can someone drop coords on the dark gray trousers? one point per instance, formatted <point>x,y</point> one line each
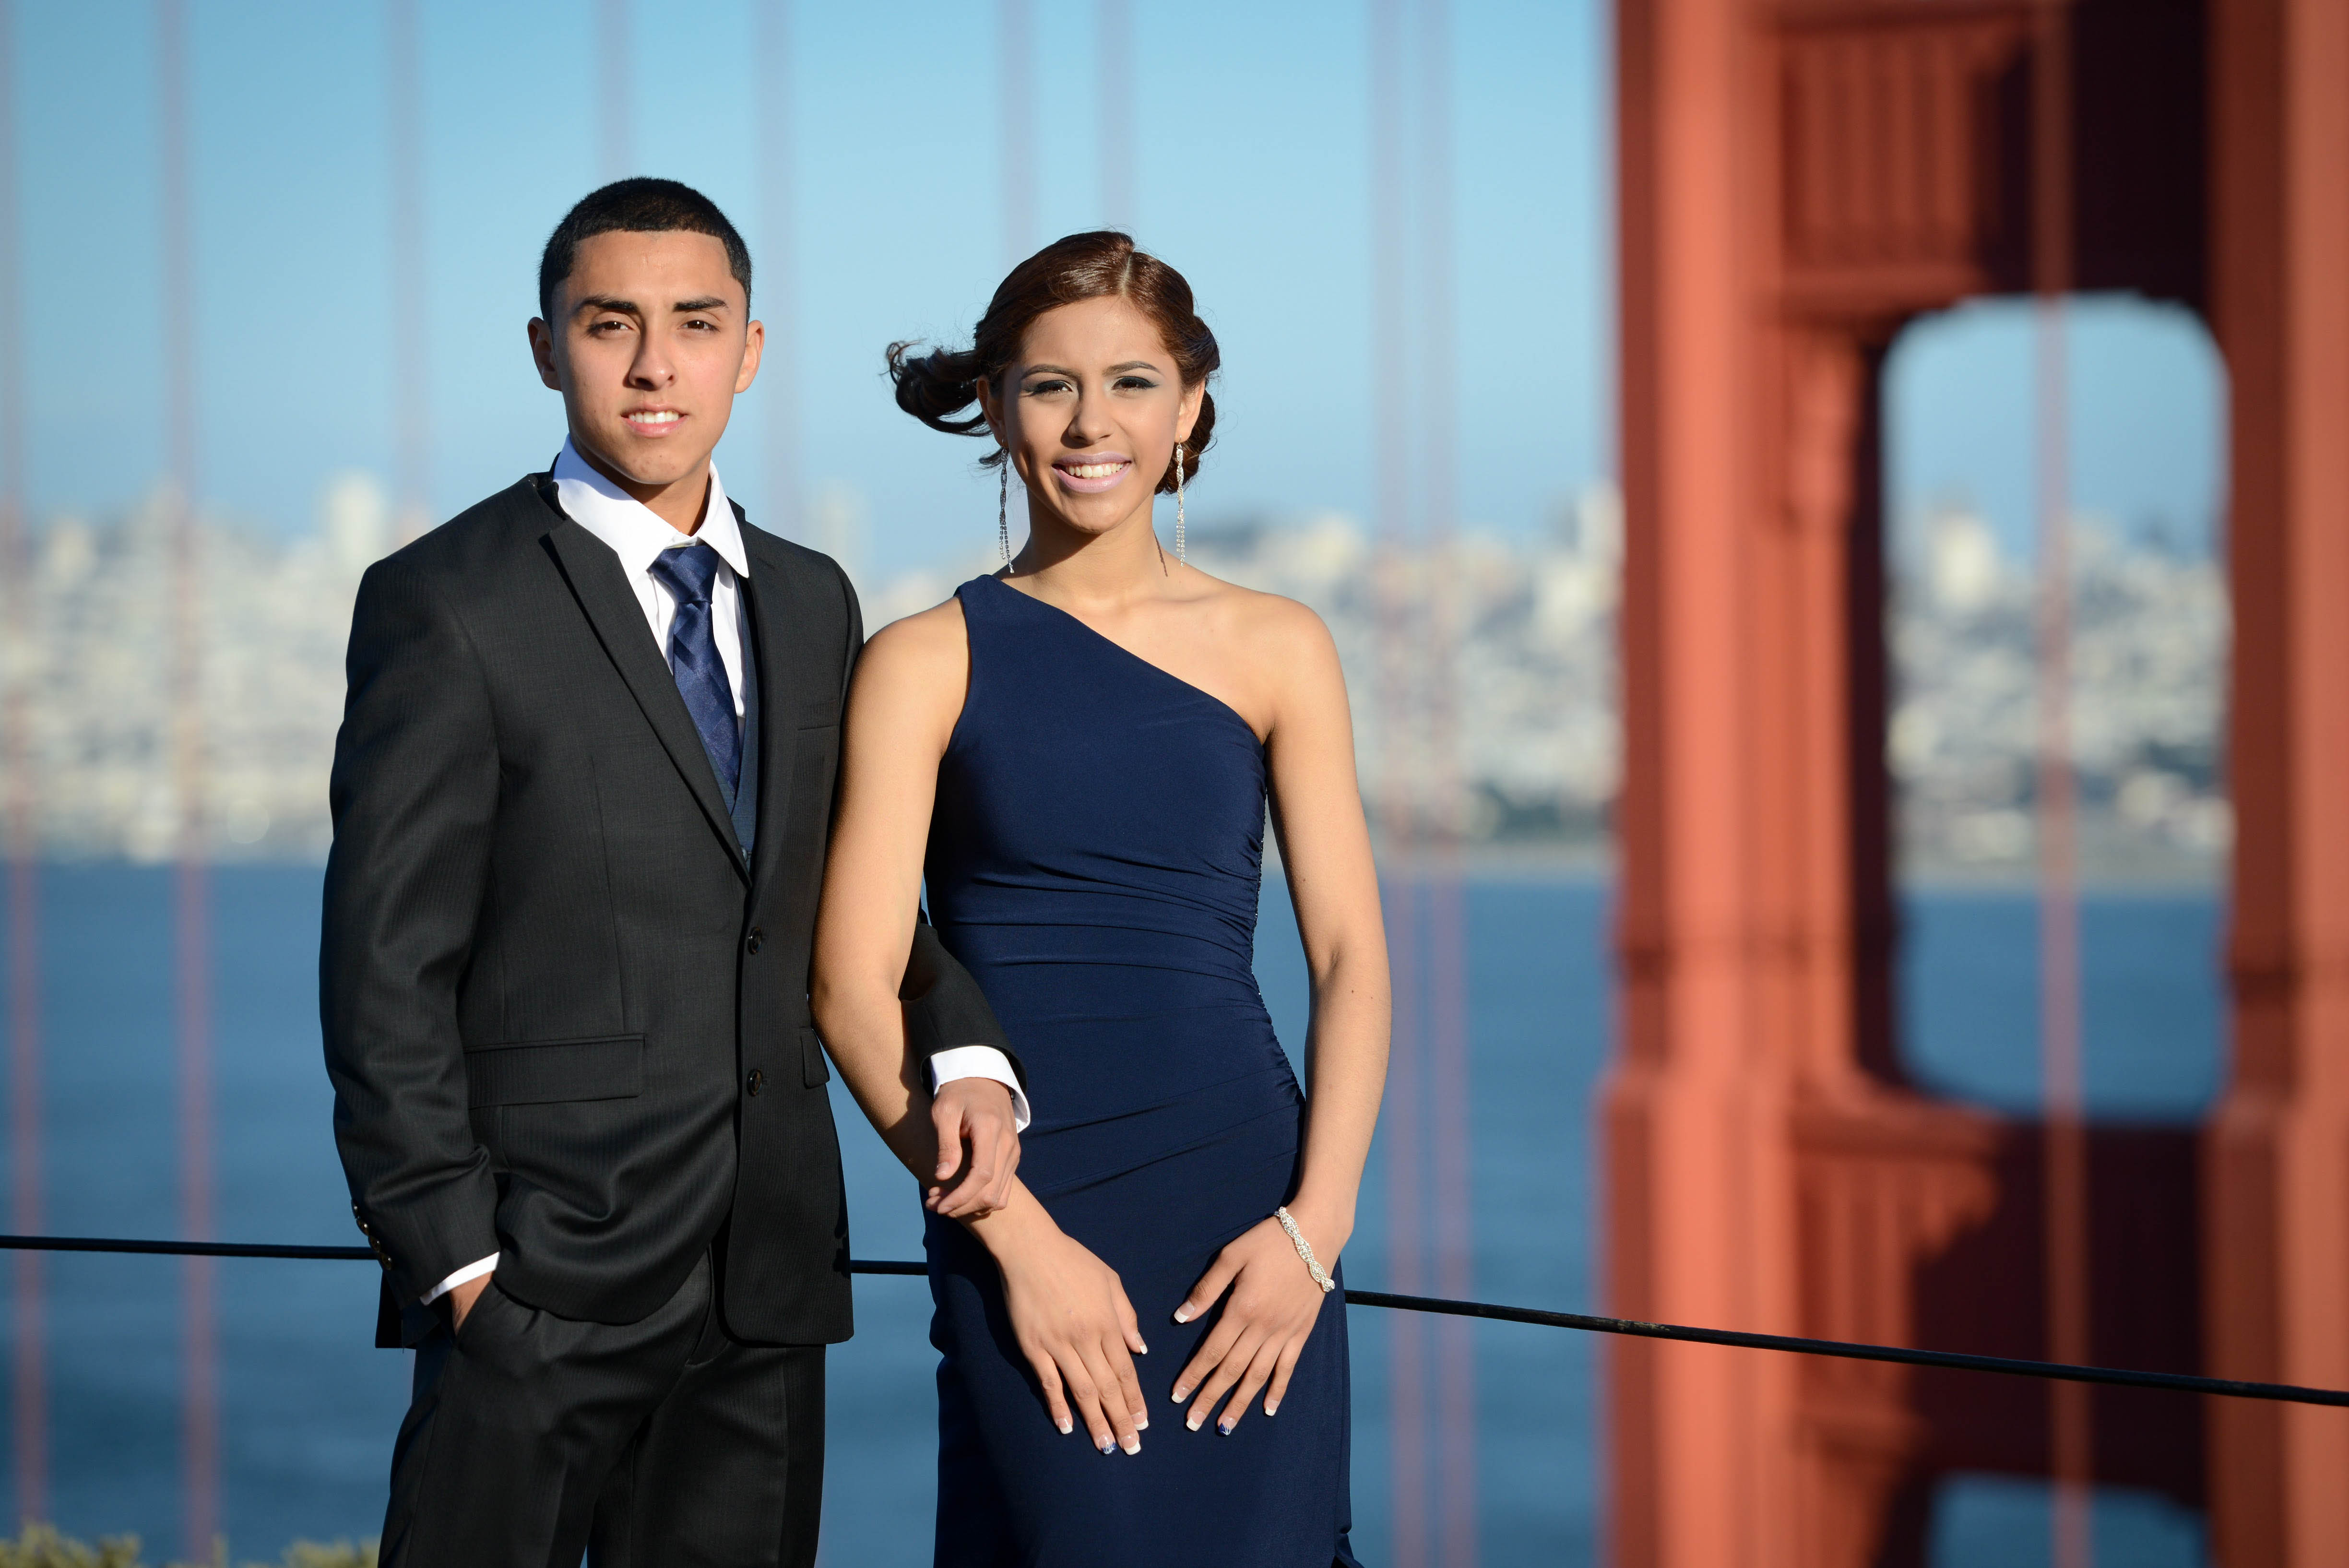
<point>531,1439</point>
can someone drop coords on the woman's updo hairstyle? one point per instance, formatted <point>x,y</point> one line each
<point>937,387</point>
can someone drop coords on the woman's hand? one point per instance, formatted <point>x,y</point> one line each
<point>1070,1313</point>
<point>1273,1307</point>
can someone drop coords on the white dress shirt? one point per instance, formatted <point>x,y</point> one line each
<point>637,535</point>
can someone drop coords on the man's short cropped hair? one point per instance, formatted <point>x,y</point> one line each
<point>637,206</point>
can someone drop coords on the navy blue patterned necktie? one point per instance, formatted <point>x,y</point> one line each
<point>688,573</point>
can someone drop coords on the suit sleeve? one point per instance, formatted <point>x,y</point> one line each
<point>414,795</point>
<point>944,1006</point>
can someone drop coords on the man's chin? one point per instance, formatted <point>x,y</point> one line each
<point>626,461</point>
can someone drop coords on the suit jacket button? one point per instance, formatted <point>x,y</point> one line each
<point>758,1080</point>
<point>757,938</point>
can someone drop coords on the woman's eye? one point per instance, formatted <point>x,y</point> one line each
<point>1135,384</point>
<point>1038,389</point>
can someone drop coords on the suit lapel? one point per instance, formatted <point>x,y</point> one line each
<point>777,615</point>
<point>602,590</point>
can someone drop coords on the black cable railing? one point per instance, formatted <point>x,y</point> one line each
<point>1959,1361</point>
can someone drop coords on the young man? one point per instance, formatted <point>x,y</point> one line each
<point>581,799</point>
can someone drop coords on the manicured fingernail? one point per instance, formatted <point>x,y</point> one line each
<point>1225,1427</point>
<point>1141,1421</point>
<point>1271,1408</point>
<point>1144,1350</point>
<point>1182,1315</point>
<point>1107,1446</point>
<point>1194,1422</point>
<point>1132,1445</point>
<point>1181,1393</point>
<point>1066,1428</point>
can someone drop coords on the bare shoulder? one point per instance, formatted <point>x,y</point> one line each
<point>911,678</point>
<point>1275,635</point>
<point>928,643</point>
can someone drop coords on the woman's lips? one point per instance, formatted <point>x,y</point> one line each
<point>652,421</point>
<point>1091,476</point>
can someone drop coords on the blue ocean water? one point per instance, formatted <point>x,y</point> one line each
<point>309,1407</point>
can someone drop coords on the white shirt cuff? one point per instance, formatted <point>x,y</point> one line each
<point>981,1061</point>
<point>473,1271</point>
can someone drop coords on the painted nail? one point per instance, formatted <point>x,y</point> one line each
<point>1132,1445</point>
<point>1181,1393</point>
<point>1066,1428</point>
<point>1271,1408</point>
<point>1196,1417</point>
<point>1146,1350</point>
<point>1141,1422</point>
<point>1182,1315</point>
<point>1107,1446</point>
<point>1225,1428</point>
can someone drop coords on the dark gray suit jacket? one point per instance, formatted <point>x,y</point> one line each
<point>566,1019</point>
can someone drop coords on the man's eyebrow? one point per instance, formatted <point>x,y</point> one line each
<point>707,302</point>
<point>606,302</point>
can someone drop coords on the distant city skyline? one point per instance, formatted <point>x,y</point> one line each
<point>1534,680</point>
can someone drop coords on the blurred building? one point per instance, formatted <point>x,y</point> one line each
<point>274,615</point>
<point>2150,636</point>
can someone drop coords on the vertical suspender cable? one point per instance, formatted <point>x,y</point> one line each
<point>1015,77</point>
<point>191,925</point>
<point>1452,1234</point>
<point>19,652</point>
<point>403,76</point>
<point>1403,1132</point>
<point>2070,1409</point>
<point>613,80</point>
<point>779,267</point>
<point>1113,40</point>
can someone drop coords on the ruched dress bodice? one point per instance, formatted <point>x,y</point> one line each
<point>1095,860</point>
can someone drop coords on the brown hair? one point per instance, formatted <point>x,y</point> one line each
<point>937,386</point>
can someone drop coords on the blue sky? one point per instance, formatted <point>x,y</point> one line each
<point>1253,133</point>
<point>1253,130</point>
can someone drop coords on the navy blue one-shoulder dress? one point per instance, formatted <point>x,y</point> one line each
<point>1094,862</point>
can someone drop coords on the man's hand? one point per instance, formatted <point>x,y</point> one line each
<point>977,1137</point>
<point>461,1299</point>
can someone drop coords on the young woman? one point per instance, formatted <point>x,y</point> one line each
<point>1077,754</point>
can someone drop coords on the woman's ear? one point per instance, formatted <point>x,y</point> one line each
<point>1187,414</point>
<point>991,411</point>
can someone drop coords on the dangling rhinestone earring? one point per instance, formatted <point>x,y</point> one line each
<point>1178,503</point>
<point>1003,508</point>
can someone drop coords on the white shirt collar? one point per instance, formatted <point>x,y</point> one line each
<point>634,531</point>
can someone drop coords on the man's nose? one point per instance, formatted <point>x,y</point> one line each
<point>651,366</point>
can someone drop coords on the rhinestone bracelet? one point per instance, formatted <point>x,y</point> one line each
<point>1305,1250</point>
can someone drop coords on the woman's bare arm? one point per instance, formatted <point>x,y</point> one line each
<point>1066,1307</point>
<point>901,712</point>
<point>1325,845</point>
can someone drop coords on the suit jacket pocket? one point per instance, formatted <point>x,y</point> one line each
<point>543,1072</point>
